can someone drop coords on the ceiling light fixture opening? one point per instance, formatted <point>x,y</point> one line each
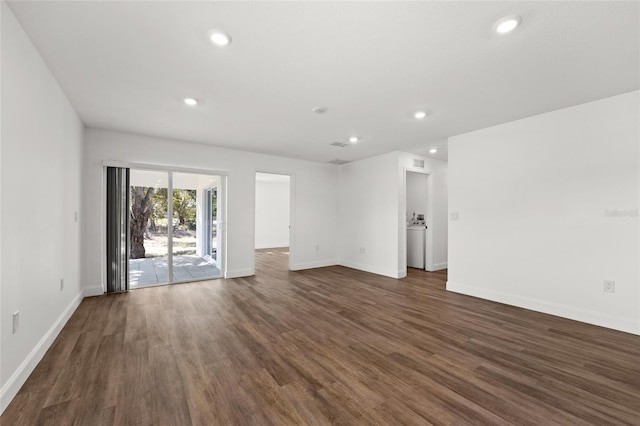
<point>340,144</point>
<point>419,115</point>
<point>220,38</point>
<point>354,139</point>
<point>191,101</point>
<point>507,24</point>
<point>433,150</point>
<point>319,110</point>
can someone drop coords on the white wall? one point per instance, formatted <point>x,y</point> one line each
<point>40,168</point>
<point>532,197</point>
<point>372,213</point>
<point>369,213</point>
<point>272,214</point>
<point>315,185</point>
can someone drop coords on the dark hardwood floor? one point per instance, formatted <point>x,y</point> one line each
<point>326,346</point>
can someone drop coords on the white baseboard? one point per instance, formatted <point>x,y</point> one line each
<point>239,273</point>
<point>439,266</point>
<point>314,264</point>
<point>17,379</point>
<point>93,291</point>
<point>273,245</point>
<point>564,311</point>
<point>373,269</point>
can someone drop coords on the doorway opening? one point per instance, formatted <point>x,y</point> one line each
<point>418,219</point>
<point>272,221</point>
<point>169,228</point>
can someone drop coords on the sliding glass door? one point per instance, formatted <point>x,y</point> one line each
<point>210,222</point>
<point>162,227</point>
<point>192,227</point>
<point>148,230</point>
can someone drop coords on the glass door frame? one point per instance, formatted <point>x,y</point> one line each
<point>221,208</point>
<point>208,213</point>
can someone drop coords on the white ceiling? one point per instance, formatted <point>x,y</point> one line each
<point>128,65</point>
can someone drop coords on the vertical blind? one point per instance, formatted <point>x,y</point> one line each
<point>117,229</point>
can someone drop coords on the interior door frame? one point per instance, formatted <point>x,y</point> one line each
<point>170,170</point>
<point>428,264</point>
<point>292,213</point>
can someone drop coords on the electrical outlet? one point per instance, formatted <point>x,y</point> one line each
<point>362,250</point>
<point>317,248</point>
<point>454,216</point>
<point>16,322</point>
<point>75,217</point>
<point>609,286</point>
<point>61,284</point>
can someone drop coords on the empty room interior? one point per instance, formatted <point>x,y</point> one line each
<point>330,212</point>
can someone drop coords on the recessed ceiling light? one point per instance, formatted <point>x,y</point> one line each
<point>354,139</point>
<point>319,110</point>
<point>191,101</point>
<point>433,150</point>
<point>506,24</point>
<point>220,38</point>
<point>419,115</point>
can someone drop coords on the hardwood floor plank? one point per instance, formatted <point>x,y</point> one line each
<point>103,417</point>
<point>272,401</point>
<point>97,404</point>
<point>326,346</point>
<point>200,392</point>
<point>168,393</point>
<point>134,404</point>
<point>396,412</point>
<point>25,407</point>
<point>313,410</point>
<point>51,366</point>
<point>74,379</point>
<point>57,414</point>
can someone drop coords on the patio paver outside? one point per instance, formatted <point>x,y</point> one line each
<point>154,270</point>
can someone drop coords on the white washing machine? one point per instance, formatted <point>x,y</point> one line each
<point>416,246</point>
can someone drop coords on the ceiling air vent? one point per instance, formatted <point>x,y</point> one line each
<point>340,144</point>
<point>418,163</point>
<point>338,162</point>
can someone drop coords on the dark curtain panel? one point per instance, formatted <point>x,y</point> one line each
<point>117,229</point>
